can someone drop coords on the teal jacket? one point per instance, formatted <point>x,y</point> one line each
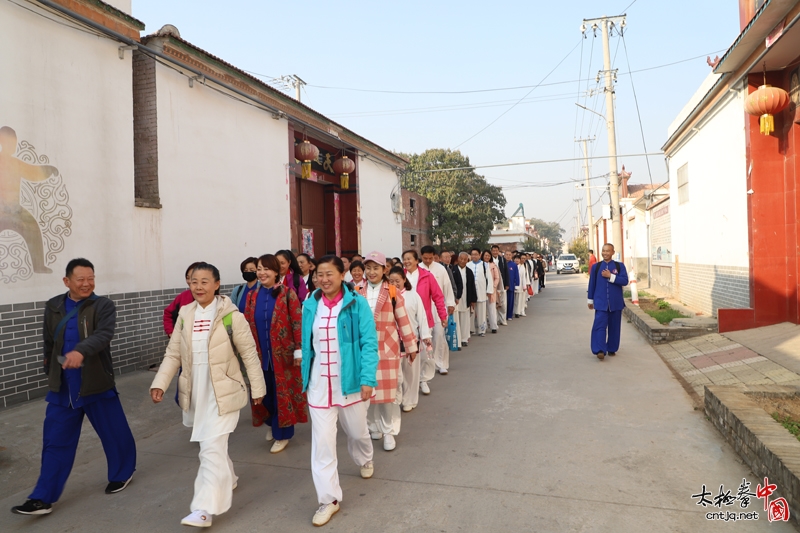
<point>358,341</point>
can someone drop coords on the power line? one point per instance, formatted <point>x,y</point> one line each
<point>337,88</point>
<point>636,101</point>
<point>520,100</point>
<point>540,162</point>
<point>629,6</point>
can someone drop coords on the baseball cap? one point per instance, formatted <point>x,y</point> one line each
<point>376,257</point>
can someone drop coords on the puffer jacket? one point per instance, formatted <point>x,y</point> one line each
<point>226,374</point>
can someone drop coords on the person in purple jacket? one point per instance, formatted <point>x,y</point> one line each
<point>606,279</point>
<point>513,283</point>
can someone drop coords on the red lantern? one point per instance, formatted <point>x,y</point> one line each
<point>766,101</point>
<point>344,166</point>
<point>306,152</point>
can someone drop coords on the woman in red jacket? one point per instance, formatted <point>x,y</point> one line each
<point>184,298</point>
<point>274,314</point>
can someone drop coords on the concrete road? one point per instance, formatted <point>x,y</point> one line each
<point>528,432</point>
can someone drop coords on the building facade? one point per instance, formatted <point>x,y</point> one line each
<point>416,221</point>
<point>145,154</point>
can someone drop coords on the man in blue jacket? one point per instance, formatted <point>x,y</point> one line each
<point>606,279</point>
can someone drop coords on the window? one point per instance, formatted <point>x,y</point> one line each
<point>413,237</point>
<point>412,206</point>
<point>683,184</point>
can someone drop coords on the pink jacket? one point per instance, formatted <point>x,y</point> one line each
<point>428,290</point>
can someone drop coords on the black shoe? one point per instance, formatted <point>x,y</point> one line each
<point>494,331</point>
<point>612,353</point>
<point>464,344</point>
<point>33,507</point>
<point>117,486</point>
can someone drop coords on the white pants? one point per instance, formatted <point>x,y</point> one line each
<point>439,357</point>
<point>213,486</point>
<point>479,318</point>
<point>519,301</point>
<point>502,307</point>
<point>491,313</point>
<point>463,321</point>
<point>324,464</point>
<point>385,417</point>
<point>411,376</point>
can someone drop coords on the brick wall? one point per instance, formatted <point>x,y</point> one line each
<point>145,132</point>
<point>139,341</point>
<point>415,220</point>
<point>710,287</point>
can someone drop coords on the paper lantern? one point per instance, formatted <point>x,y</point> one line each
<point>344,166</point>
<point>306,152</point>
<point>765,102</point>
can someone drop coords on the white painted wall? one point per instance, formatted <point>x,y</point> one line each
<point>711,228</point>
<point>69,95</point>
<point>222,179</point>
<point>381,229</point>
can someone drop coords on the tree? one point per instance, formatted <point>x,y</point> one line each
<point>551,231</point>
<point>580,249</point>
<point>464,207</point>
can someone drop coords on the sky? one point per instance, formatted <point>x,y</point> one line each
<point>415,75</point>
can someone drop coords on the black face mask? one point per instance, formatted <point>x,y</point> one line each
<point>249,276</point>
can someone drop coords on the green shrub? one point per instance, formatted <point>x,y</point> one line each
<point>584,268</point>
<point>663,304</point>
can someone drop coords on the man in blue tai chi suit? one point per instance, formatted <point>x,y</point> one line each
<point>78,328</point>
<point>606,279</point>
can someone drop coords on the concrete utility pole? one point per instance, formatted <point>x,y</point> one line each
<point>295,81</point>
<point>578,218</point>
<point>605,24</point>
<point>590,235</point>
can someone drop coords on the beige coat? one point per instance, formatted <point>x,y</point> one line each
<point>226,375</point>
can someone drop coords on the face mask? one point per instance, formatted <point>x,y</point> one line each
<point>249,276</point>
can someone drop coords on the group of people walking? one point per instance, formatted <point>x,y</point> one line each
<point>348,340</point>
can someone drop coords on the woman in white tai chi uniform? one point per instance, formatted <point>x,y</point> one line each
<point>408,384</point>
<point>212,388</point>
<point>340,360</point>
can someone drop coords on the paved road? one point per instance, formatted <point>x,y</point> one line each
<point>529,432</point>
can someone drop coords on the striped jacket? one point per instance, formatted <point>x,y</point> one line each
<point>387,322</point>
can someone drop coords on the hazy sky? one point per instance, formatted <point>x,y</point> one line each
<point>454,46</point>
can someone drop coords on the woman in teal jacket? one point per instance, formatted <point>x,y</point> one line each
<point>340,360</point>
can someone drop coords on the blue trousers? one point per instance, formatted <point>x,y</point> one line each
<point>510,303</point>
<point>271,403</point>
<point>606,330</point>
<point>62,429</point>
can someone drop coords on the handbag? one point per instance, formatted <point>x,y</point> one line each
<point>530,290</point>
<point>451,335</point>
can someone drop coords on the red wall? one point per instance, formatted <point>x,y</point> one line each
<point>773,226</point>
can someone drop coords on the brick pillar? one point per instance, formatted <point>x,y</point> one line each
<point>145,131</point>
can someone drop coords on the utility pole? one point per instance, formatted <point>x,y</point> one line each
<point>605,24</point>
<point>295,81</point>
<point>578,218</point>
<point>590,235</point>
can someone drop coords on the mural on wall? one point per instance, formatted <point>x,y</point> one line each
<point>35,216</point>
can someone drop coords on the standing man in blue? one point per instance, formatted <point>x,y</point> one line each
<point>606,279</point>
<point>513,283</point>
<point>78,328</point>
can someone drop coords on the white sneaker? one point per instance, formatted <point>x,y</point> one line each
<point>324,513</point>
<point>389,443</point>
<point>424,388</point>
<point>270,438</point>
<point>367,470</point>
<point>375,436</point>
<point>407,408</point>
<point>279,446</point>
<point>197,519</point>
<point>442,371</point>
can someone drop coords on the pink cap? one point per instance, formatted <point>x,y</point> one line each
<point>376,257</point>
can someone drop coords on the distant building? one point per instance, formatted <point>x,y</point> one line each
<point>513,233</point>
<point>416,221</point>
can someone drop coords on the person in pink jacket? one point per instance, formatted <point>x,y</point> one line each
<point>184,298</point>
<point>427,288</point>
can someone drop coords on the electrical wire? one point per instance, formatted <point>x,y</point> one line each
<point>629,6</point>
<point>498,88</point>
<point>62,22</point>
<point>520,100</point>
<point>539,162</point>
<point>636,101</point>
